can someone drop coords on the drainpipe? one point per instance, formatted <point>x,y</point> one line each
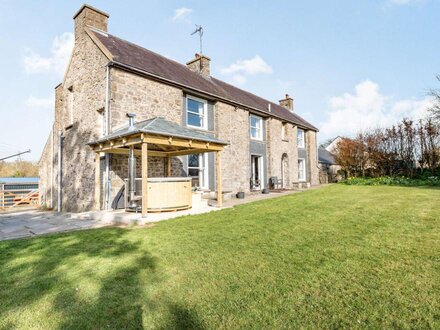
<point>106,131</point>
<point>51,168</point>
<point>60,147</point>
<point>131,166</point>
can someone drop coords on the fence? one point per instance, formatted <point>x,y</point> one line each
<point>16,195</point>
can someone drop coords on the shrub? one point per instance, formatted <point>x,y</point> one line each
<point>393,181</point>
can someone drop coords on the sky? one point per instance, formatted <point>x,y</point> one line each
<point>349,65</point>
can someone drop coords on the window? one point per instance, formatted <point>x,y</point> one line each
<point>284,132</point>
<point>196,112</point>
<point>256,124</point>
<point>198,170</point>
<point>70,105</point>
<point>301,169</point>
<point>301,138</point>
<point>101,120</point>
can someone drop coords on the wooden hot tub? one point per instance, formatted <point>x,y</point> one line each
<point>166,194</point>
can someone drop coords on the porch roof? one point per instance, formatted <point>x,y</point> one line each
<point>164,137</point>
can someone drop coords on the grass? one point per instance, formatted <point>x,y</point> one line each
<point>338,257</point>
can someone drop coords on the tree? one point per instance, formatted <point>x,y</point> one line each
<point>435,108</point>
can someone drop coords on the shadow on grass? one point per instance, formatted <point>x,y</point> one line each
<point>50,268</point>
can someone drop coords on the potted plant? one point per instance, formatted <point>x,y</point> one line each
<point>240,193</point>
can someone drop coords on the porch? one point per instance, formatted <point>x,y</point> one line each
<point>157,137</point>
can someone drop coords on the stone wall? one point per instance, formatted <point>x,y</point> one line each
<point>85,79</point>
<point>232,125</point>
<point>45,166</point>
<point>312,155</point>
<point>277,147</point>
<point>131,93</point>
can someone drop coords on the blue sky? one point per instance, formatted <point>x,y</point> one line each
<point>349,65</point>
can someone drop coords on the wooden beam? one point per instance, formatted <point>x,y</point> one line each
<point>137,152</point>
<point>144,180</point>
<point>186,152</point>
<point>169,166</point>
<point>180,142</point>
<point>98,181</point>
<point>218,168</point>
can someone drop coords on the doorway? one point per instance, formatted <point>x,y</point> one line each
<point>257,179</point>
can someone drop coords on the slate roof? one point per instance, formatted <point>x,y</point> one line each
<point>161,126</point>
<point>325,157</point>
<point>134,56</point>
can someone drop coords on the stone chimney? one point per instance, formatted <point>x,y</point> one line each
<point>89,16</point>
<point>287,103</point>
<point>200,64</point>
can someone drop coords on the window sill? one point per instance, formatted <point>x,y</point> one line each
<point>197,128</point>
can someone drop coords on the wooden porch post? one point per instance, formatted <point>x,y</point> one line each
<point>169,166</point>
<point>218,167</point>
<point>98,181</point>
<point>144,179</point>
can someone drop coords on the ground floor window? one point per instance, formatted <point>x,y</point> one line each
<point>198,170</point>
<point>301,169</point>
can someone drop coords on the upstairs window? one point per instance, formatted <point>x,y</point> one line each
<point>256,127</point>
<point>196,112</point>
<point>284,132</point>
<point>301,138</point>
<point>70,105</point>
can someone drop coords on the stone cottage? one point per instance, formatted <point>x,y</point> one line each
<point>108,77</point>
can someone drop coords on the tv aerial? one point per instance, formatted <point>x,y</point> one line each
<point>199,30</point>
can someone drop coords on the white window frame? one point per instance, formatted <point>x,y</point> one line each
<point>302,170</point>
<point>301,142</point>
<point>259,128</point>
<point>203,169</point>
<point>204,115</point>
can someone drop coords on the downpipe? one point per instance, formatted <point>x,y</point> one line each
<point>60,168</point>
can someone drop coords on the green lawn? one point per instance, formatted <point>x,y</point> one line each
<point>336,257</point>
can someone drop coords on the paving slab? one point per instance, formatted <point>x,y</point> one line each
<point>32,222</point>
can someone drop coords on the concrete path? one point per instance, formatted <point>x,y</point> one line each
<point>32,222</point>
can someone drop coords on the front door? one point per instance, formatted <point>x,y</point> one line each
<point>257,172</point>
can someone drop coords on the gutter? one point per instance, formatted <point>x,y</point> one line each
<point>173,83</point>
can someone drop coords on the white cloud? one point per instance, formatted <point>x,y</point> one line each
<point>368,108</point>
<point>60,53</point>
<point>248,67</point>
<point>40,102</point>
<point>243,68</point>
<point>182,15</point>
